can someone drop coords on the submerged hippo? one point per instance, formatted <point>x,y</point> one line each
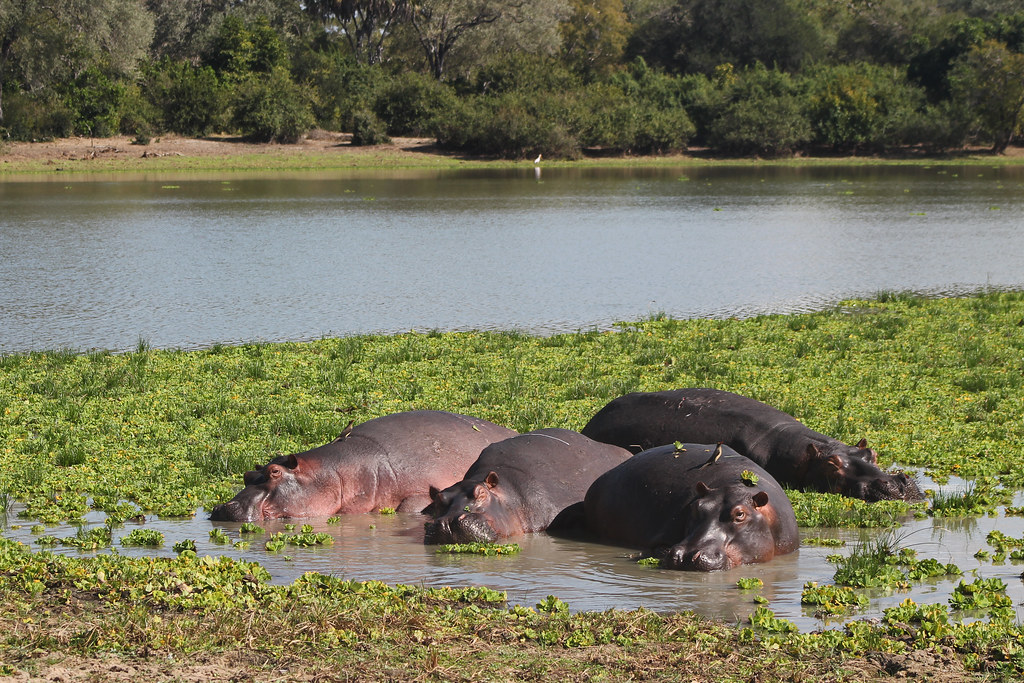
<point>518,486</point>
<point>694,507</point>
<point>386,462</point>
<point>794,454</point>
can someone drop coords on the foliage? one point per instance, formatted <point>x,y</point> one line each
<point>272,108</point>
<point>368,129</point>
<point>487,549</point>
<point>988,81</point>
<point>761,115</point>
<point>883,564</point>
<point>594,36</point>
<point>852,106</point>
<point>191,99</point>
<point>410,103</point>
<point>557,77</point>
<point>833,599</point>
<point>240,48</point>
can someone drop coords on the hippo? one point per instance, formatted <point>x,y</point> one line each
<point>794,454</point>
<point>518,486</point>
<point>697,507</point>
<point>390,461</point>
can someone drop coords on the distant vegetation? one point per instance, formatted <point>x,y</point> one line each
<point>514,79</point>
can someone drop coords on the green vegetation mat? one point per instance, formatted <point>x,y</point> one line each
<point>931,383</point>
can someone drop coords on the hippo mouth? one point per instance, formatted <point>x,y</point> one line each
<point>234,511</point>
<point>709,558</point>
<point>897,486</point>
<point>465,528</point>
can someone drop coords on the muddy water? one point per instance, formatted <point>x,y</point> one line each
<point>588,576</point>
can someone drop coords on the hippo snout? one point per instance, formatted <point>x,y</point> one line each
<point>465,528</point>
<point>705,559</point>
<point>898,486</point>
<point>233,511</point>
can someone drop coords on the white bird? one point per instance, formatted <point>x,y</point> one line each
<point>537,160</point>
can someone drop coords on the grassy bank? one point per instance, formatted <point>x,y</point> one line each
<point>332,152</point>
<point>936,384</point>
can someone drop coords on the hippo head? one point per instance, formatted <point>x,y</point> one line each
<point>851,474</point>
<point>281,488</point>
<point>466,512</point>
<point>862,451</point>
<point>730,526</point>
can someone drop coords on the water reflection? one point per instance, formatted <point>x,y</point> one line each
<point>192,261</point>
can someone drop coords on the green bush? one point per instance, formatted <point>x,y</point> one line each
<point>512,125</point>
<point>368,129</point>
<point>624,121</point>
<point>855,106</point>
<point>37,116</point>
<point>98,102</point>
<point>763,116</point>
<point>412,102</point>
<point>272,108</point>
<point>191,98</point>
<point>340,85</point>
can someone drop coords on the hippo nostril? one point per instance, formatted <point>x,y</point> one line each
<point>700,560</point>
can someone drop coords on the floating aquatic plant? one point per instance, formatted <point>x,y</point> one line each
<point>143,537</point>
<point>479,548</point>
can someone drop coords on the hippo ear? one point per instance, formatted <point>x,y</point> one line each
<point>863,443</point>
<point>702,489</point>
<point>760,499</point>
<point>813,451</point>
<point>292,462</point>
<point>491,480</point>
<point>434,493</point>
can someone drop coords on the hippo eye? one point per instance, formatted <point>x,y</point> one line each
<point>739,515</point>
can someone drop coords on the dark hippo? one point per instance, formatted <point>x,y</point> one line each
<point>692,510</point>
<point>518,486</point>
<point>386,462</point>
<point>794,454</point>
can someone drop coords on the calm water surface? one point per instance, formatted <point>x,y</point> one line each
<point>589,576</point>
<point>187,262</point>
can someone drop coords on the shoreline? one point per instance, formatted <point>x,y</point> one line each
<point>325,151</point>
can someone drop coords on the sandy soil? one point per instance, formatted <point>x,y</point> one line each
<point>320,143</point>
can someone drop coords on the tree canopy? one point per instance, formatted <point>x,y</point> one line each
<point>518,77</point>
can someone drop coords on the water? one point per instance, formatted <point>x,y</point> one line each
<point>185,262</point>
<point>589,576</point>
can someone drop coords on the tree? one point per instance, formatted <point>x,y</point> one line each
<point>859,105</point>
<point>440,24</point>
<point>695,36</point>
<point>366,24</point>
<point>594,37</point>
<point>239,47</point>
<point>48,41</point>
<point>989,82</point>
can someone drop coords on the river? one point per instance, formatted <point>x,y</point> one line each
<point>191,261</point>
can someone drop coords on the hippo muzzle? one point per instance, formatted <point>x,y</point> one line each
<point>897,486</point>
<point>463,528</point>
<point>237,511</point>
<point>708,558</point>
